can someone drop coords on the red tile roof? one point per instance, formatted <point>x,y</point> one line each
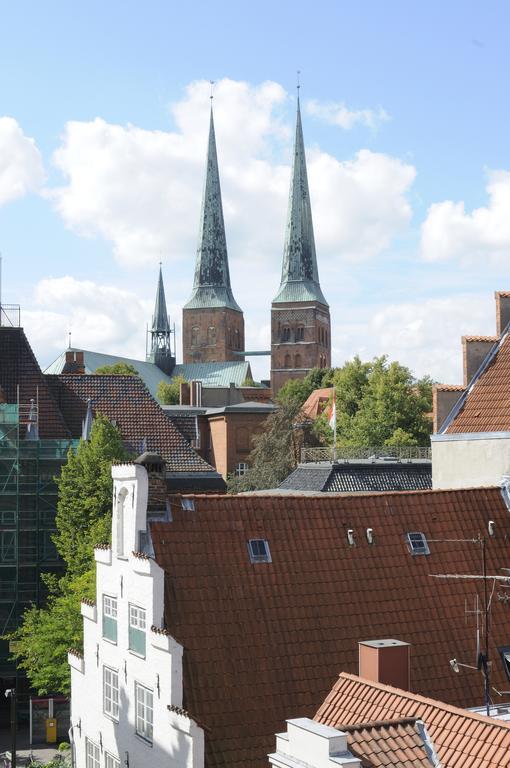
<point>317,401</point>
<point>264,642</point>
<point>487,405</point>
<point>398,743</point>
<point>18,367</point>
<point>127,401</point>
<point>461,739</point>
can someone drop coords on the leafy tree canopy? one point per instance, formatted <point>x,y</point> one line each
<point>83,519</point>
<point>117,369</point>
<point>169,393</point>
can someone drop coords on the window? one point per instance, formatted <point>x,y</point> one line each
<point>195,336</point>
<point>297,361</point>
<point>241,469</point>
<point>286,333</point>
<point>259,551</point>
<point>288,361</point>
<point>92,755</point>
<point>137,630</point>
<point>110,761</point>
<point>211,336</point>
<point>143,703</point>
<point>505,658</point>
<point>417,543</point>
<point>7,546</point>
<point>110,618</point>
<point>300,333</point>
<point>111,692</point>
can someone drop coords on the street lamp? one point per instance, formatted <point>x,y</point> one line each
<point>10,693</point>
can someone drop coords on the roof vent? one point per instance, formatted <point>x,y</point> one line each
<point>370,535</point>
<point>417,543</point>
<point>258,549</point>
<point>350,537</point>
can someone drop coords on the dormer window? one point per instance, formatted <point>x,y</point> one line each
<point>259,551</point>
<point>417,543</point>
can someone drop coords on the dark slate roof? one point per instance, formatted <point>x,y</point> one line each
<point>186,424</point>
<point>266,641</point>
<point>141,421</point>
<point>360,476</point>
<point>19,367</point>
<point>300,276</point>
<point>211,287</point>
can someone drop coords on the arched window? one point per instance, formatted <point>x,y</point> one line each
<point>211,336</point>
<point>286,333</point>
<point>195,336</point>
<point>300,333</point>
<point>288,361</point>
<point>297,361</point>
<point>121,500</point>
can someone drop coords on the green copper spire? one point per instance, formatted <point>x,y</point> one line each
<point>160,322</point>
<point>211,287</point>
<point>300,276</point>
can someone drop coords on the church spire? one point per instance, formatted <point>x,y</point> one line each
<point>211,287</point>
<point>160,318</point>
<point>160,351</point>
<point>300,276</point>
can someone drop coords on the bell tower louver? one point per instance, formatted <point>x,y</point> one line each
<point>213,322</point>
<point>300,320</point>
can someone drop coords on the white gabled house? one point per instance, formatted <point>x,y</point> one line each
<point>126,700</point>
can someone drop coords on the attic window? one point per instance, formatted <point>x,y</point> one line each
<point>417,543</point>
<point>188,505</point>
<point>258,550</point>
<point>505,658</point>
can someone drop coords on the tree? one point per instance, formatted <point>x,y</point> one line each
<point>117,369</point>
<point>85,485</point>
<point>169,393</point>
<point>299,390</point>
<point>83,519</point>
<point>275,450</point>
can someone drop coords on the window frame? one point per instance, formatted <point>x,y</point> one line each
<point>241,468</point>
<point>112,710</point>
<point>110,761</point>
<point>259,557</point>
<point>95,758</point>
<point>136,631</point>
<point>417,550</point>
<point>146,733</point>
<point>110,618</point>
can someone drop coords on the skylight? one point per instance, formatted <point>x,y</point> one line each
<point>417,543</point>
<point>258,550</point>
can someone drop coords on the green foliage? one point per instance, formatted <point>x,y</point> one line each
<point>274,454</point>
<point>299,390</point>
<point>117,369</point>
<point>46,634</point>
<point>379,403</point>
<point>169,393</point>
<point>83,519</point>
<point>248,382</point>
<point>85,496</point>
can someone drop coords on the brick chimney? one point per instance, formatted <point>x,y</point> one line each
<point>74,363</point>
<point>184,393</point>
<point>444,397</point>
<point>385,661</point>
<point>474,351</point>
<point>502,310</point>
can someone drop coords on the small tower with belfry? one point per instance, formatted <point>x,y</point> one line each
<point>300,319</point>
<point>212,321</point>
<point>159,336</point>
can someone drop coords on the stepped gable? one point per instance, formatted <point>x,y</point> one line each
<point>19,367</point>
<point>460,738</point>
<point>486,406</point>
<point>141,421</point>
<point>265,641</point>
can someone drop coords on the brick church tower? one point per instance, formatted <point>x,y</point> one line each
<point>300,321</point>
<point>212,321</point>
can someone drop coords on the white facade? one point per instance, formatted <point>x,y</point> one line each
<point>470,460</point>
<point>126,694</point>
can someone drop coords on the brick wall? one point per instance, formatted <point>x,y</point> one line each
<point>212,335</point>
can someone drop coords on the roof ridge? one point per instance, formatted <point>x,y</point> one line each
<point>409,695</point>
<point>378,724</point>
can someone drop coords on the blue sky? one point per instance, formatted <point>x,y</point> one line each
<point>405,112</point>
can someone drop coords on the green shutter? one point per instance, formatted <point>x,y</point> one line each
<point>137,640</point>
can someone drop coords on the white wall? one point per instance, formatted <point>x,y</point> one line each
<point>471,460</point>
<point>177,740</point>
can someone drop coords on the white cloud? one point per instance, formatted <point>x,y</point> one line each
<point>21,168</point>
<point>337,113</point>
<point>100,317</point>
<point>141,189</point>
<point>450,232</point>
<point>424,335</point>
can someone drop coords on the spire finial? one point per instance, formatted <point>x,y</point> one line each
<point>211,83</point>
<point>69,347</point>
<point>298,84</point>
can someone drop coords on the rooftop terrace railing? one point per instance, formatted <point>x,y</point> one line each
<point>10,315</point>
<point>366,453</point>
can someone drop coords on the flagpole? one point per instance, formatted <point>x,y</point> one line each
<point>334,426</point>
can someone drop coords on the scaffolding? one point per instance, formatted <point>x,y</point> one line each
<point>28,500</point>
